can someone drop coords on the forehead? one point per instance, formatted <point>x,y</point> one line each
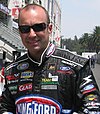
<point>33,14</point>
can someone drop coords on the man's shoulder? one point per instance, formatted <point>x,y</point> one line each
<point>70,58</point>
<point>16,62</point>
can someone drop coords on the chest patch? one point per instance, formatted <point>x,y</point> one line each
<point>34,104</point>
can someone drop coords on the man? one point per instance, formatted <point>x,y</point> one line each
<point>47,80</point>
<point>92,62</point>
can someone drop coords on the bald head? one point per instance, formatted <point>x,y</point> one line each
<point>33,7</point>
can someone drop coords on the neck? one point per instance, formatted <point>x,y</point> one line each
<point>35,56</point>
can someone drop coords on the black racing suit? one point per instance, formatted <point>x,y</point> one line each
<point>62,83</point>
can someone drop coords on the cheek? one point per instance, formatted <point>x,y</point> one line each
<point>45,37</point>
<point>23,37</point>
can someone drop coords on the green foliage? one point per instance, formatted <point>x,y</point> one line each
<point>86,43</point>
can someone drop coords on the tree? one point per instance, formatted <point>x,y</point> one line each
<point>96,39</point>
<point>88,42</point>
<point>84,41</point>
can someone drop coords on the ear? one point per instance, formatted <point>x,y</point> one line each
<point>50,28</point>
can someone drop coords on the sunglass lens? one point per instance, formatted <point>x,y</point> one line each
<point>39,27</point>
<point>36,27</point>
<point>24,29</point>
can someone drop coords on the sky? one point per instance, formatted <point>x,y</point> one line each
<point>79,17</point>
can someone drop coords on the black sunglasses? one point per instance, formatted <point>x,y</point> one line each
<point>36,27</point>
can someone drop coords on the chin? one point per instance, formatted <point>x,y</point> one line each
<point>35,48</point>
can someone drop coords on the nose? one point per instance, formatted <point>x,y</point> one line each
<point>32,33</point>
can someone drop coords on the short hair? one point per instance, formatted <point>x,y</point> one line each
<point>33,6</point>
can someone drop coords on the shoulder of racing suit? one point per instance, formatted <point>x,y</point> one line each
<point>70,58</point>
<point>65,55</point>
<point>15,63</point>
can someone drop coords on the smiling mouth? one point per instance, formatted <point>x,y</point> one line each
<point>33,42</point>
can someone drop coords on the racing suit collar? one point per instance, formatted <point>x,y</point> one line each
<point>46,53</point>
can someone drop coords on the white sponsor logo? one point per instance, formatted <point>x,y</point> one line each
<point>87,80</point>
<point>54,78</point>
<point>35,108</point>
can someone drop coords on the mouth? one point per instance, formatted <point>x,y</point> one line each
<point>33,42</point>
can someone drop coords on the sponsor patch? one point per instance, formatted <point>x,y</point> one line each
<point>12,65</point>
<point>34,104</point>
<point>11,77</point>
<point>64,71</point>
<point>91,97</point>
<point>49,87</point>
<point>12,81</point>
<point>54,78</point>
<point>12,88</point>
<point>16,75</point>
<point>92,104</point>
<point>94,112</point>
<point>91,112</point>
<point>26,80</point>
<point>88,87</point>
<point>23,66</point>
<point>88,91</point>
<point>25,87</point>
<point>48,81</point>
<point>64,68</point>
<point>51,66</point>
<point>86,81</point>
<point>66,111</point>
<point>27,74</point>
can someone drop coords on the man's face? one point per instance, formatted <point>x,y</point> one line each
<point>36,37</point>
